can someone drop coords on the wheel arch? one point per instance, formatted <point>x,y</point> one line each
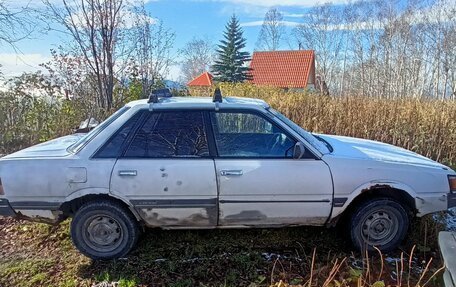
<point>75,200</point>
<point>399,192</point>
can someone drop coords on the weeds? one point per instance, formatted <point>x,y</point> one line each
<point>373,274</point>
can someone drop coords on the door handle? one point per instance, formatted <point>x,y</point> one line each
<point>128,172</point>
<point>235,172</point>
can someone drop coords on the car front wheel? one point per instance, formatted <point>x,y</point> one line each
<point>380,222</point>
<point>104,230</point>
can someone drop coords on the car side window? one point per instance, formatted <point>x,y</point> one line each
<point>170,135</point>
<point>240,134</point>
<point>112,148</point>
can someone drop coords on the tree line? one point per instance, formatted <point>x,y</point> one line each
<point>384,48</point>
<point>376,48</point>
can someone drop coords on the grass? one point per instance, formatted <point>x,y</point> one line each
<point>33,254</point>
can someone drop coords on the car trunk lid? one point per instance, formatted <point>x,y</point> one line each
<point>53,148</point>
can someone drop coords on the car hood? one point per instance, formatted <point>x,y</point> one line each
<point>53,148</point>
<point>372,150</point>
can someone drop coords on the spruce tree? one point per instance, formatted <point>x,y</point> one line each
<point>229,65</point>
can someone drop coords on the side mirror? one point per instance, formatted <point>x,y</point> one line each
<point>299,150</point>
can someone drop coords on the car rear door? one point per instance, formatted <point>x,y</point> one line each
<point>166,172</point>
<point>260,184</point>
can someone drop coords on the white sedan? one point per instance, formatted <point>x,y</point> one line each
<point>199,163</point>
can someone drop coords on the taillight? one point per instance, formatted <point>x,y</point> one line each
<point>2,192</point>
<point>451,181</point>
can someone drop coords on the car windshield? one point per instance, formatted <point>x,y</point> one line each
<point>90,135</point>
<point>311,139</point>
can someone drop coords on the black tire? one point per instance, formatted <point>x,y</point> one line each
<point>379,222</point>
<point>104,230</point>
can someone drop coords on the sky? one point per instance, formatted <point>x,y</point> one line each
<point>187,18</point>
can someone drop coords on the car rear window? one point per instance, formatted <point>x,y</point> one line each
<point>170,135</point>
<point>77,146</point>
<point>113,147</point>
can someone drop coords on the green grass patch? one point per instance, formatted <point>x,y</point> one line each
<point>27,272</point>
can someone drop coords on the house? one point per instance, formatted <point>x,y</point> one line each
<point>203,80</point>
<point>284,69</point>
<point>201,85</point>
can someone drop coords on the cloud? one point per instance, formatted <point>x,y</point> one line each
<point>431,15</point>
<point>260,23</point>
<point>128,15</point>
<point>174,73</point>
<point>128,19</point>
<point>272,3</point>
<point>15,64</point>
<point>293,15</point>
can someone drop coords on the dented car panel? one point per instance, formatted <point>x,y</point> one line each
<point>167,192</point>
<point>428,186</point>
<point>274,192</point>
<point>211,191</point>
<point>179,216</point>
<point>35,186</point>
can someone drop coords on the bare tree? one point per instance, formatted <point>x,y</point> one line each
<point>197,57</point>
<point>272,31</point>
<point>384,48</point>
<point>153,49</point>
<point>95,27</point>
<point>414,53</point>
<point>320,32</point>
<point>441,33</point>
<point>71,74</point>
<point>15,23</point>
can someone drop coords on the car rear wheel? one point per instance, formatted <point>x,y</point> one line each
<point>380,222</point>
<point>104,230</point>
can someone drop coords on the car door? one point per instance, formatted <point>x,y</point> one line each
<point>260,184</point>
<point>166,172</point>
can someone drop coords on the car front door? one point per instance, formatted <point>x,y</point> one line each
<point>260,184</point>
<point>166,172</point>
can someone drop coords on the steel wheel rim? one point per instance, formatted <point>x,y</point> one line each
<point>379,227</point>
<point>103,233</point>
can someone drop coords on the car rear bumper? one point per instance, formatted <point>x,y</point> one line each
<point>5,208</point>
<point>451,200</point>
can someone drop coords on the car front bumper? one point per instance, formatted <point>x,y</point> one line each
<point>447,244</point>
<point>5,208</point>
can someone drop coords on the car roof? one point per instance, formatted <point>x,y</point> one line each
<point>201,102</point>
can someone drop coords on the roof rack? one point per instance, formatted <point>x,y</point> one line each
<point>217,97</point>
<point>159,93</point>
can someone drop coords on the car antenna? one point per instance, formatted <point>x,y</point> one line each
<point>217,97</point>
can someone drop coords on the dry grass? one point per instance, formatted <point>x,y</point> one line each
<point>425,126</point>
<point>375,271</point>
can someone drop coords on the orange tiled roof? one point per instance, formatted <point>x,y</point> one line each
<point>203,80</point>
<point>284,69</point>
